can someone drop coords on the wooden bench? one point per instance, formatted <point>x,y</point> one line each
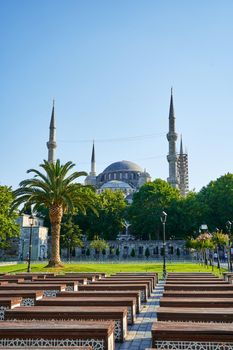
<point>205,336</point>
<point>148,281</point>
<point>98,335</point>
<point>11,280</point>
<point>130,303</point>
<point>28,297</point>
<point>196,302</point>
<point>119,285</point>
<point>70,285</point>
<point>190,314</point>
<point>103,294</point>
<point>61,278</point>
<point>8,303</point>
<point>66,313</point>
<point>198,294</point>
<point>152,275</point>
<point>180,282</point>
<point>97,275</point>
<point>199,287</point>
<point>48,289</point>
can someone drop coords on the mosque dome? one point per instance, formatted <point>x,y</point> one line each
<point>123,165</point>
<point>115,184</point>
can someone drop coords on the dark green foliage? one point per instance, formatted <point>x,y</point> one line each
<point>147,252</point>
<point>132,254</point>
<point>8,226</point>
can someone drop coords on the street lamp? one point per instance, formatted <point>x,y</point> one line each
<point>228,227</point>
<point>163,219</point>
<point>31,223</point>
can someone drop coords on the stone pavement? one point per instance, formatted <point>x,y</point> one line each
<point>139,334</point>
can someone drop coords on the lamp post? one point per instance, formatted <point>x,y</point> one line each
<point>163,219</point>
<point>31,223</point>
<point>228,227</point>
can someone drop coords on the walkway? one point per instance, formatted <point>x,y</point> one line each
<point>139,334</point>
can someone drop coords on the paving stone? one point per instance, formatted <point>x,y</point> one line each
<point>139,334</point>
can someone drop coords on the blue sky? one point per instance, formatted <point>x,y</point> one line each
<point>110,65</point>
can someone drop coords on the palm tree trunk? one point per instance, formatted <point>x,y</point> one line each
<point>55,215</point>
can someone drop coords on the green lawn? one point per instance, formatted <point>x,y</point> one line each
<point>111,268</point>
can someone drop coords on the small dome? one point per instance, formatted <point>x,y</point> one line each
<point>116,184</point>
<point>124,165</point>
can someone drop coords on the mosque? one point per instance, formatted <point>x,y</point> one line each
<point>128,176</point>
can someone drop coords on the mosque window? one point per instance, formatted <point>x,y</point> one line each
<point>120,176</point>
<point>114,176</point>
<point>126,175</point>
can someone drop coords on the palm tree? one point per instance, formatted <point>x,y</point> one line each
<point>57,191</point>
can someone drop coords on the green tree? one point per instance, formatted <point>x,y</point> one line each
<point>71,235</point>
<point>99,244</point>
<point>58,192</point>
<point>217,200</point>
<point>132,254</point>
<point>147,253</point>
<point>8,226</point>
<point>109,222</point>
<point>148,204</point>
<point>219,239</point>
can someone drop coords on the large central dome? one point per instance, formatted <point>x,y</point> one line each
<point>124,165</point>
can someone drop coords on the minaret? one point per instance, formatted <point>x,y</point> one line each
<point>182,165</point>
<point>91,178</point>
<point>51,144</point>
<point>172,156</point>
<point>93,172</point>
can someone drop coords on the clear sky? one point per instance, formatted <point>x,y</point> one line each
<point>110,64</point>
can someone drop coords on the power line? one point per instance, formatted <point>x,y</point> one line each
<point>117,139</point>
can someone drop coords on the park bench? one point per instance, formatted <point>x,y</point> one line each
<point>130,303</point>
<point>184,279</point>
<point>197,281</point>
<point>117,287</point>
<point>190,274</point>
<point>127,285</point>
<point>98,335</point>
<point>193,336</point>
<point>97,275</point>
<point>190,314</point>
<point>196,302</point>
<point>198,294</point>
<point>199,287</point>
<point>8,303</point>
<point>153,275</point>
<point>70,285</point>
<point>79,280</point>
<point>103,294</point>
<point>3,283</point>
<point>147,281</point>
<point>28,296</point>
<point>66,313</point>
<point>48,289</point>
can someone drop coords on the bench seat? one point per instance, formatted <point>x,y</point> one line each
<point>204,336</point>
<point>98,335</point>
<point>118,314</point>
<point>48,289</point>
<point>8,303</point>
<point>198,294</point>
<point>70,285</point>
<point>130,303</point>
<point>188,314</point>
<point>103,294</point>
<point>148,281</point>
<point>115,285</point>
<point>199,287</point>
<point>28,297</point>
<point>196,302</point>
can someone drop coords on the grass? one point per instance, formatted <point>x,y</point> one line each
<point>111,268</point>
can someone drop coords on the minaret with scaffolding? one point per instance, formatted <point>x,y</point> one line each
<point>182,167</point>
